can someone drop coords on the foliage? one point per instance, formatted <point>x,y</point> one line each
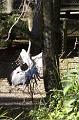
<point>4,115</point>
<point>63,105</point>
<point>6,21</point>
<point>4,44</point>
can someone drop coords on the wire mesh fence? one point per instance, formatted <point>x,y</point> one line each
<point>70,2</point>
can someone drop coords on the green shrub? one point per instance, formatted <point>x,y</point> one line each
<point>63,105</point>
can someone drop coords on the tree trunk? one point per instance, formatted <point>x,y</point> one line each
<point>51,75</point>
<point>56,33</point>
<point>7,6</point>
<point>37,20</point>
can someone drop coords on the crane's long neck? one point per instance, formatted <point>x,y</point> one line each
<point>29,47</point>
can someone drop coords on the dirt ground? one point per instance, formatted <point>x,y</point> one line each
<point>9,93</point>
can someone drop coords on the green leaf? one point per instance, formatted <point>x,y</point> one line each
<point>66,89</point>
<point>68,109</point>
<point>71,116</point>
<point>69,102</point>
<point>3,114</point>
<point>68,105</point>
<point>77,114</point>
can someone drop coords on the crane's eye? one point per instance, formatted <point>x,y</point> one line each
<point>18,72</point>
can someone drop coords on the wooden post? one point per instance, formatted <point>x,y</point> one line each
<point>64,44</point>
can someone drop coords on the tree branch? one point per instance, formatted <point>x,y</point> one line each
<point>23,11</point>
